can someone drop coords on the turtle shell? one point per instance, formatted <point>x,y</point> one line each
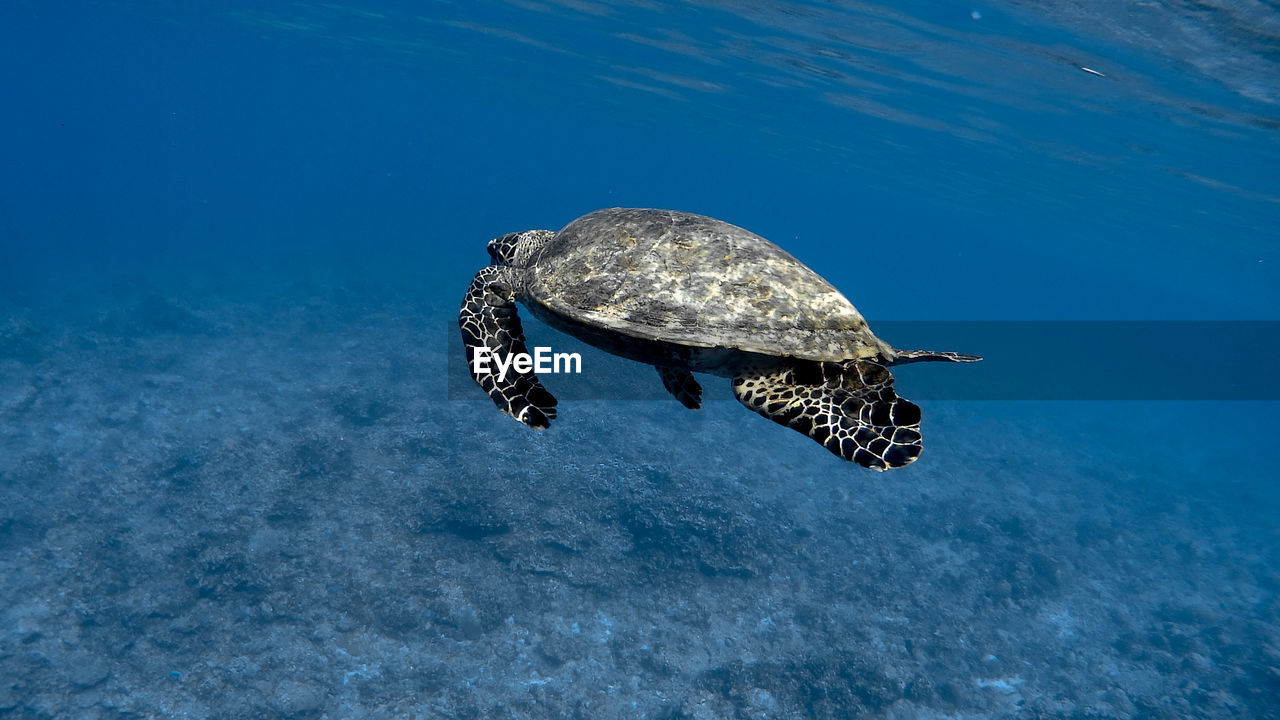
<point>692,280</point>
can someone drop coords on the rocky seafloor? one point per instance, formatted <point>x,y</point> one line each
<point>272,507</point>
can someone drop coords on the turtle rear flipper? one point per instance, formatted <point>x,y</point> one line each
<point>850,408</point>
<point>488,321</point>
<point>680,383</point>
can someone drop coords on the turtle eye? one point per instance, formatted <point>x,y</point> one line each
<point>502,249</point>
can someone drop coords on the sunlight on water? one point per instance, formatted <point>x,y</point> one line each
<point>1029,80</point>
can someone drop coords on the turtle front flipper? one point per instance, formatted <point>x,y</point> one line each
<point>680,383</point>
<point>490,324</point>
<point>850,408</point>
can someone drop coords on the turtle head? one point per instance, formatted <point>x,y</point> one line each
<point>516,249</point>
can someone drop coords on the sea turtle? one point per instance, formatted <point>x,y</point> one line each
<point>687,293</point>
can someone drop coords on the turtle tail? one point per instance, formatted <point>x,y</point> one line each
<point>904,357</point>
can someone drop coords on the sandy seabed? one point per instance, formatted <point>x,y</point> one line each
<point>270,507</point>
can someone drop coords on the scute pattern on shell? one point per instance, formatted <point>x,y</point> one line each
<point>697,281</point>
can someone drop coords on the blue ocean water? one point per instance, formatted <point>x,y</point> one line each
<point>236,480</point>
